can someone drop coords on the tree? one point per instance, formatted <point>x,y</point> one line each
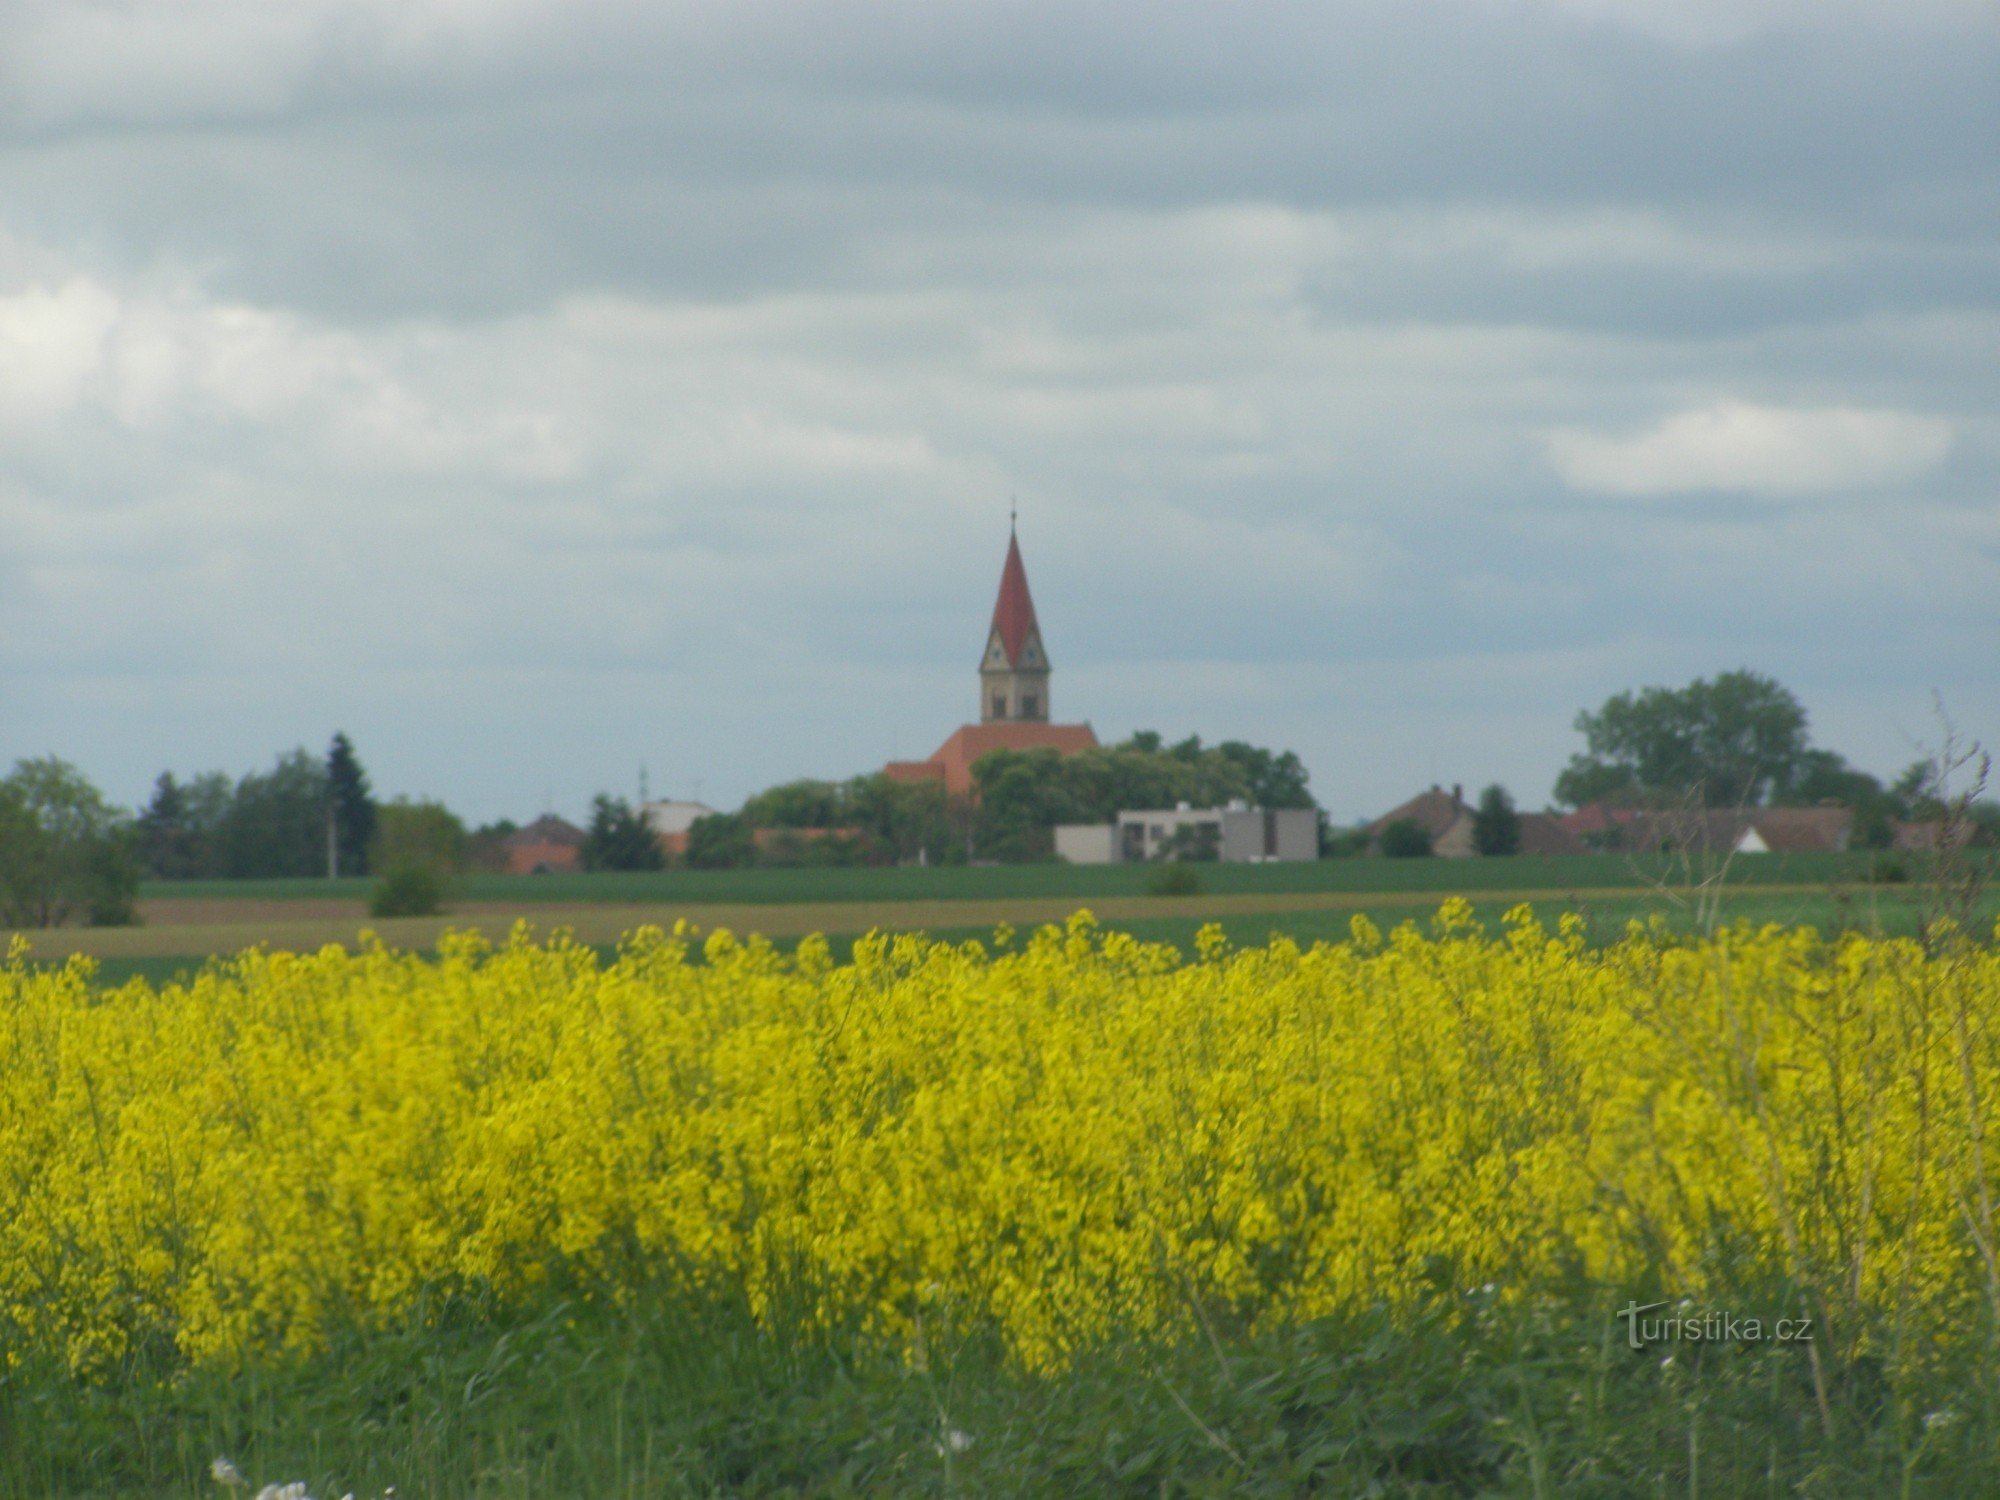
<point>618,838</point>
<point>797,804</point>
<point>421,835</point>
<point>1496,827</point>
<point>165,842</point>
<point>720,841</point>
<point>1023,794</point>
<point>64,851</point>
<point>180,831</point>
<point>276,822</point>
<point>486,845</point>
<point>1405,839</point>
<point>906,820</point>
<point>1822,776</point>
<point>1270,779</point>
<point>353,808</point>
<point>1722,743</point>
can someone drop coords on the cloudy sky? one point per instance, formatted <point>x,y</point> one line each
<point>536,388</point>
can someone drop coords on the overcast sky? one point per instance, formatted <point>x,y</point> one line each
<point>535,388</point>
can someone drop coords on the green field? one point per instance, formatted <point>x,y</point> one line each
<point>194,922</point>
<point>1440,877</point>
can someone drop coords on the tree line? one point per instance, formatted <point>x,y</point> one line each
<point>1019,797</point>
<point>68,854</point>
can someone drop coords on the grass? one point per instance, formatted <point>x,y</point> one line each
<point>1082,882</point>
<point>1474,1395</point>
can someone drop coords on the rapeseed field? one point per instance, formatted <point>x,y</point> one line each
<point>1068,1140</point>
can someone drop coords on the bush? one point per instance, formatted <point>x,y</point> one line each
<point>408,891</point>
<point>720,841</point>
<point>1405,839</point>
<point>1174,878</point>
<point>1887,869</point>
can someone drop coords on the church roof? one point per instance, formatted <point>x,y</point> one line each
<point>1014,611</point>
<point>953,761</point>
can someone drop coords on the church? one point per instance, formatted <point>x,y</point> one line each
<point>1013,693</point>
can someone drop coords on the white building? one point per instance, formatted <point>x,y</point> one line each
<point>1238,834</point>
<point>667,819</point>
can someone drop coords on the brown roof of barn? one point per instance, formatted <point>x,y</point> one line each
<point>1433,811</point>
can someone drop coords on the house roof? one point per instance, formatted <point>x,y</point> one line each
<point>968,742</point>
<point>1544,833</point>
<point>1014,610</point>
<point>1796,830</point>
<point>547,829</point>
<point>1597,817</point>
<point>1433,811</point>
<point>1717,830</point>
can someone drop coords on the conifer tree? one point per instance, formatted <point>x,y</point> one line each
<point>353,808</point>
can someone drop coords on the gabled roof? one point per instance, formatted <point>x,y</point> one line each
<point>547,829</point>
<point>955,758</point>
<point>1433,811</point>
<point>1791,830</point>
<point>1014,610</point>
<point>1542,833</point>
<point>1718,830</point>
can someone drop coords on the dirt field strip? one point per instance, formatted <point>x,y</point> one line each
<point>177,928</point>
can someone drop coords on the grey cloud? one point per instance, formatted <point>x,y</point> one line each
<point>668,373</point>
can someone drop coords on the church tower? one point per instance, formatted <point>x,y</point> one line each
<point>1014,672</point>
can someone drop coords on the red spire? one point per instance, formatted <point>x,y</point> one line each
<point>1014,611</point>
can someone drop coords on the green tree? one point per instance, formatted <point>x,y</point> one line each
<point>486,845</point>
<point>909,821</point>
<point>1822,776</point>
<point>276,822</point>
<point>165,837</point>
<point>424,835</point>
<point>1271,778</point>
<point>353,808</point>
<point>1496,826</point>
<point>1724,743</point>
<point>720,841</point>
<point>181,829</point>
<point>1405,839</point>
<point>797,804</point>
<point>65,852</point>
<point>618,838</point>
<point>1023,794</point>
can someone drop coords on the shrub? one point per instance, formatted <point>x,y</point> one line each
<point>1174,878</point>
<point>1888,869</point>
<point>1405,839</point>
<point>408,891</point>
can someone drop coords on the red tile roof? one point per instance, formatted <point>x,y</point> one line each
<point>953,761</point>
<point>1014,610</point>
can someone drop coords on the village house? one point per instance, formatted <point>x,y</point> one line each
<point>547,846</point>
<point>1447,819</point>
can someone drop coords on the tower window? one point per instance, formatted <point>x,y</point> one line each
<point>1028,705</point>
<point>999,705</point>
